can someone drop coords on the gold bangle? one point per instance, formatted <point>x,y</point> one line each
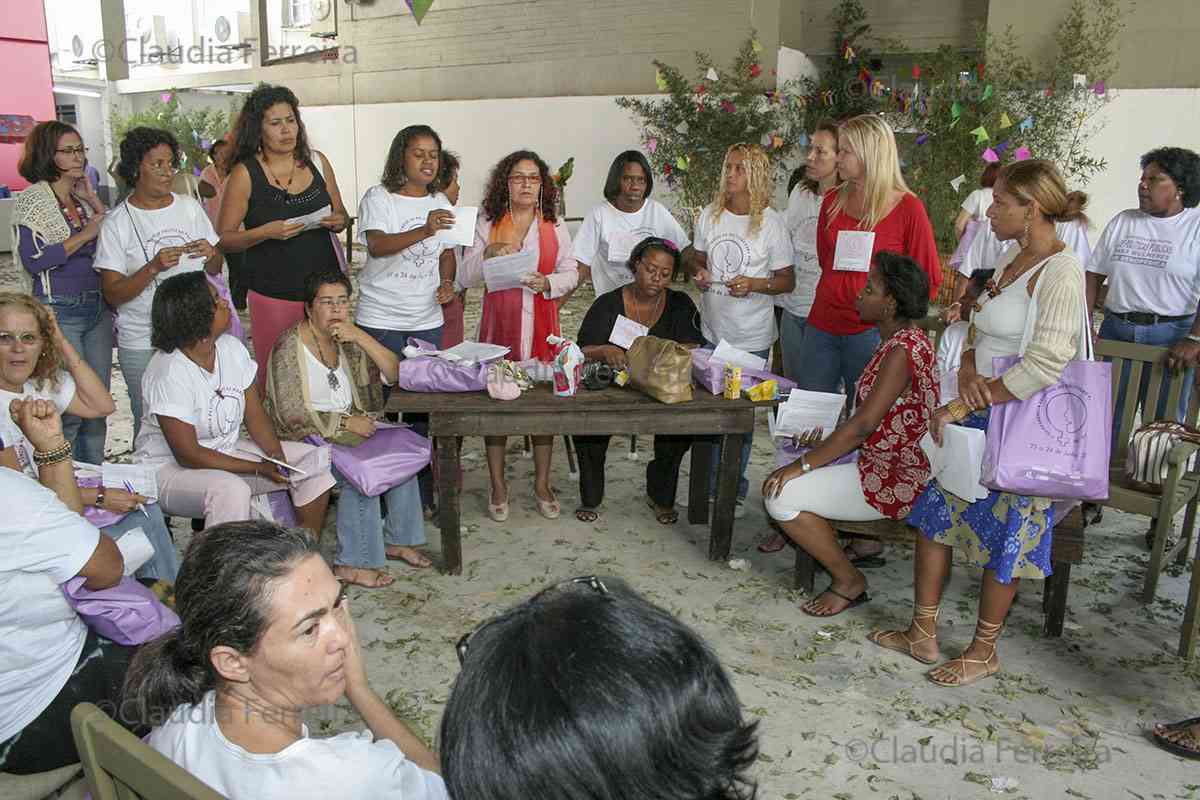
<point>958,409</point>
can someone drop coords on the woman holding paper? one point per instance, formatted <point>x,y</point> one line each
<point>896,396</point>
<point>872,210</point>
<point>277,179</point>
<point>33,353</point>
<point>151,236</point>
<point>646,307</point>
<point>1034,307</point>
<point>341,371</point>
<point>518,218</point>
<point>200,388</point>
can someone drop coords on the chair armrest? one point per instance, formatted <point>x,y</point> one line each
<point>1181,453</point>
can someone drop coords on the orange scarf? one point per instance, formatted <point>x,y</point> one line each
<point>502,311</point>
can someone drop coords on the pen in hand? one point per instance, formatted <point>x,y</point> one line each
<point>140,506</point>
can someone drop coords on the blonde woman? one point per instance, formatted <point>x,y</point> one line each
<point>741,258</point>
<point>871,210</point>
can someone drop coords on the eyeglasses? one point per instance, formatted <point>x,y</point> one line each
<point>72,151</point>
<point>161,167</point>
<point>333,302</point>
<point>591,581</point>
<point>531,180</point>
<point>8,339</point>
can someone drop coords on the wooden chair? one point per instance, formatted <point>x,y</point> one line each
<point>64,783</point>
<point>119,766</point>
<point>1180,488</point>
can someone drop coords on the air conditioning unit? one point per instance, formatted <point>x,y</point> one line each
<point>74,51</point>
<point>228,30</point>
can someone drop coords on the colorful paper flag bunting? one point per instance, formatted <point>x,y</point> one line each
<point>955,111</point>
<point>681,163</point>
<point>1079,81</point>
<point>1022,153</point>
<point>1000,148</point>
<point>419,8</point>
<point>755,70</point>
<point>987,92</point>
<point>660,81</point>
<point>756,45</point>
<point>916,71</point>
<point>165,97</point>
<point>765,140</point>
<point>728,107</point>
<point>1026,124</point>
<point>652,144</point>
<point>990,156</point>
<point>957,182</point>
<point>682,127</point>
<point>1005,122</point>
<point>803,140</point>
<point>1099,89</point>
<point>923,138</point>
<point>981,135</point>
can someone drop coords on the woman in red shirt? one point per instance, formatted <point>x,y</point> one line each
<point>896,398</point>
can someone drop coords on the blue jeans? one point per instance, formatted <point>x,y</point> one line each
<point>747,441</point>
<point>830,360</point>
<point>164,565</point>
<point>791,344</point>
<point>361,530</point>
<point>133,366</point>
<point>395,341</point>
<point>1161,334</point>
<point>87,322</point>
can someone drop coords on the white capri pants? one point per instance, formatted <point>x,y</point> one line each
<point>832,492</point>
<point>221,496</point>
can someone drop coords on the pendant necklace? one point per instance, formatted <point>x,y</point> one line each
<point>334,383</point>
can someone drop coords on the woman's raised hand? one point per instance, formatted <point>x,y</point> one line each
<point>439,219</point>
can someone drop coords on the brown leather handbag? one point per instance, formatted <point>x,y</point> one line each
<point>660,368</point>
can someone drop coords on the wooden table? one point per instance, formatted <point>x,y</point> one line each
<point>612,411</point>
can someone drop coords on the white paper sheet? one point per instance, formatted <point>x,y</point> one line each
<point>463,231</point>
<point>853,251</point>
<point>625,331</point>
<point>313,220</point>
<point>621,244</point>
<point>187,263</point>
<point>468,353</point>
<point>506,272</point>
<point>135,549</point>
<point>140,477</point>
<point>805,411</point>
<point>315,461</point>
<point>739,358</point>
<point>958,463</point>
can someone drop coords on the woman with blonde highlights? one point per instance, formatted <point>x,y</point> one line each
<point>740,259</point>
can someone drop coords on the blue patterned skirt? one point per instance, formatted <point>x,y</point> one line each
<point>1006,533</point>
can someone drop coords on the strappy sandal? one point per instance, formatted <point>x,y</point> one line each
<point>851,602</point>
<point>497,511</point>
<point>1175,736</point>
<point>985,633</point>
<point>587,515</point>
<point>663,516</point>
<point>415,558</point>
<point>550,509</point>
<point>901,642</point>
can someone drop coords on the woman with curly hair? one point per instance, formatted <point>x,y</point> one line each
<point>741,259</point>
<point>200,389</point>
<point>518,215</point>
<point>151,236</point>
<point>276,177</point>
<point>1150,256</point>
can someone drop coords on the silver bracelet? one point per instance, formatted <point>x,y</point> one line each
<point>1191,337</point>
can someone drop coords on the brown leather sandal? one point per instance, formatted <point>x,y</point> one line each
<point>901,642</point>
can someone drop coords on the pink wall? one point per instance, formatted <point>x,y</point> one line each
<point>26,86</point>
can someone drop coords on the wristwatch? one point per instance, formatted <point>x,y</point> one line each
<point>1191,337</point>
<point>100,497</point>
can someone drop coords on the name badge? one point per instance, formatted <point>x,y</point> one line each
<point>853,252</point>
<point>625,331</point>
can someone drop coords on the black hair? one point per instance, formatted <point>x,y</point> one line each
<point>906,283</point>
<point>393,168</point>
<point>796,176</point>
<point>1183,166</point>
<point>655,243</point>
<point>248,130</point>
<point>589,691</point>
<point>323,277</point>
<point>448,165</point>
<point>182,312</point>
<point>223,597</point>
<point>134,147</point>
<point>612,184</point>
<point>496,197</point>
<point>212,148</point>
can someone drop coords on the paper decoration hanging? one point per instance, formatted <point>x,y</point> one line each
<point>979,69</point>
<point>165,97</point>
<point>712,74</point>
<point>755,70</point>
<point>1000,148</point>
<point>1099,89</point>
<point>1079,81</point>
<point>756,45</point>
<point>1026,124</point>
<point>955,111</point>
<point>1022,153</point>
<point>957,182</point>
<point>987,92</point>
<point>981,135</point>
<point>660,81</point>
<point>419,8</point>
<point>990,156</point>
<point>682,127</point>
<point>765,140</point>
<point>1005,122</point>
<point>827,97</point>
<point>652,144</point>
<point>681,163</point>
<point>803,140</point>
<point>728,107</point>
<point>848,53</point>
<point>701,88</point>
<point>776,142</point>
<point>916,71</point>
<point>923,138</point>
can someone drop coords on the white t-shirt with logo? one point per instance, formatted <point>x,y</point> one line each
<point>747,323</point>
<point>42,544</point>
<point>607,236</point>
<point>1152,263</point>
<point>801,219</point>
<point>11,435</point>
<point>399,292</point>
<point>214,403</point>
<point>130,237</point>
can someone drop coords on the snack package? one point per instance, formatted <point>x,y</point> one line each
<point>621,378</point>
<point>567,366</point>
<point>767,390</point>
<point>733,382</point>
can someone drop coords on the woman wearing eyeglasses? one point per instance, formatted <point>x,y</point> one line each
<point>151,236</point>
<point>57,220</point>
<point>266,636</point>
<point>518,216</point>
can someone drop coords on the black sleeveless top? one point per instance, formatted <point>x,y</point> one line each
<point>277,268</point>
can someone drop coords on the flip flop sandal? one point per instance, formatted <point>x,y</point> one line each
<point>853,602</point>
<point>593,514</point>
<point>382,579</point>
<point>773,543</point>
<point>663,516</point>
<point>1176,748</point>
<point>424,563</point>
<point>1183,723</point>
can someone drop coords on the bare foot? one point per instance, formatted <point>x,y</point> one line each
<point>409,555</point>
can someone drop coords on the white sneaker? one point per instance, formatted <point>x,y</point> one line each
<point>739,508</point>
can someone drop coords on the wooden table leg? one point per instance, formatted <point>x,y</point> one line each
<point>721,538</point>
<point>702,447</point>
<point>447,454</point>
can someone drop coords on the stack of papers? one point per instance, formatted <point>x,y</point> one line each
<point>463,231</point>
<point>506,272</point>
<point>139,476</point>
<point>312,220</point>
<point>739,358</point>
<point>468,354</point>
<point>805,411</point>
<point>958,464</point>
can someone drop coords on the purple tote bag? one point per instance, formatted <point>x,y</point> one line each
<point>389,458</point>
<point>128,613</point>
<point>1056,444</point>
<point>432,374</point>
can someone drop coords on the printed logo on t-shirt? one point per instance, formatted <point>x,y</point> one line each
<point>621,243</point>
<point>225,411</point>
<point>1144,251</point>
<point>416,262</point>
<point>728,257</point>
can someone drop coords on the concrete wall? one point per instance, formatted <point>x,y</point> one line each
<point>922,25</point>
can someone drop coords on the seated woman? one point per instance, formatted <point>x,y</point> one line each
<point>665,313</point>
<point>33,351</point>
<point>619,700</point>
<point>266,635</point>
<point>199,389</point>
<point>1034,307</point>
<point>49,659</point>
<point>337,368</point>
<point>895,397</point>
